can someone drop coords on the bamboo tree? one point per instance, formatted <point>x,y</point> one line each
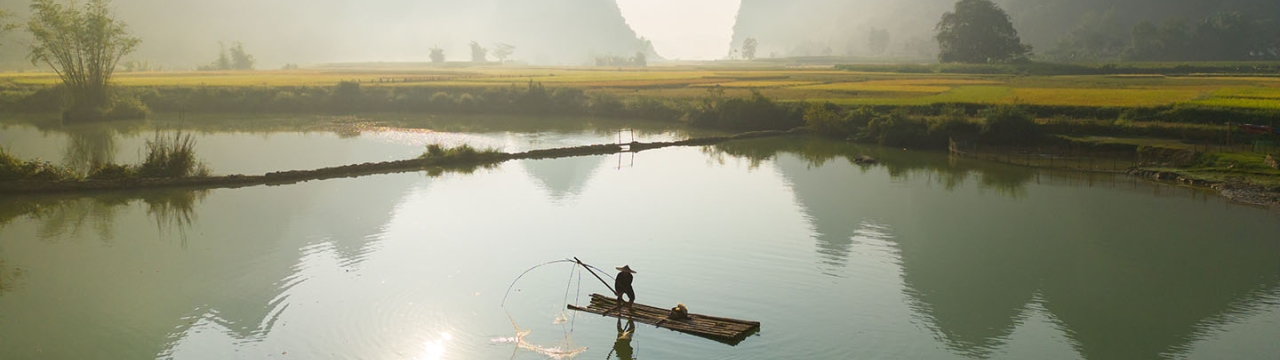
<point>5,26</point>
<point>82,46</point>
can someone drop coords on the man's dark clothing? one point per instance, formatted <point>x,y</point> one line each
<point>623,284</point>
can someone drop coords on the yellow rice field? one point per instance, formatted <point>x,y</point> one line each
<point>779,83</point>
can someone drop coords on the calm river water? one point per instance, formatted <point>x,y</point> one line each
<point>920,257</point>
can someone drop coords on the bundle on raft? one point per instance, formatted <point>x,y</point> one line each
<point>725,330</point>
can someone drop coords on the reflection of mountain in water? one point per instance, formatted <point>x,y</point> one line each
<point>1128,275</point>
<point>564,177</point>
<point>236,274</point>
<point>834,215</point>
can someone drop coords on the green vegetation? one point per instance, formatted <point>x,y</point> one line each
<point>460,153</point>
<point>166,157</point>
<point>14,169</point>
<point>437,55</point>
<point>755,113</point>
<point>503,51</point>
<point>979,32</point>
<point>1002,125</point>
<point>5,25</point>
<point>83,47</point>
<point>637,60</point>
<point>238,60</point>
<point>171,157</point>
<point>749,47</point>
<point>478,53</point>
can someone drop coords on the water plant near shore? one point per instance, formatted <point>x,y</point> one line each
<point>171,157</point>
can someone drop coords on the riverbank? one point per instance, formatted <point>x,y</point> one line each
<point>1234,189</point>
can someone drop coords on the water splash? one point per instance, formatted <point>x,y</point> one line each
<point>565,350</point>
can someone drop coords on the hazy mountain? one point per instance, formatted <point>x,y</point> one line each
<point>184,34</point>
<point>834,27</point>
<point>811,27</point>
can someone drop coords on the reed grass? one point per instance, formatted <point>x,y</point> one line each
<point>171,157</point>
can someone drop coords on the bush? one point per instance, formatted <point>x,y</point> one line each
<point>12,169</point>
<point>953,124</point>
<point>826,119</point>
<point>171,157</point>
<point>127,108</point>
<point>754,113</point>
<point>113,172</point>
<point>1009,125</point>
<point>461,153</point>
<point>898,129</point>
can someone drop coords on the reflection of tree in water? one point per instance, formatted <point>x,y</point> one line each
<point>901,165</point>
<point>172,210</point>
<point>89,146</point>
<point>8,277</point>
<point>1124,277</point>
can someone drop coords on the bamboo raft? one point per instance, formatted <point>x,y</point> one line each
<point>725,330</point>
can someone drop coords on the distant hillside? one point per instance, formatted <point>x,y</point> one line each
<point>184,34</point>
<point>836,27</point>
<point>843,27</point>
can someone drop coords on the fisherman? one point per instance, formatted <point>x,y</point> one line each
<point>622,285</point>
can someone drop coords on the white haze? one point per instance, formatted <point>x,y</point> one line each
<point>684,29</point>
<point>185,34</point>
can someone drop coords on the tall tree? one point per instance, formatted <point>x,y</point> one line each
<point>978,31</point>
<point>224,61</point>
<point>82,45</point>
<point>478,53</point>
<point>749,48</point>
<point>437,54</point>
<point>640,59</point>
<point>502,51</point>
<point>241,60</point>
<point>5,26</point>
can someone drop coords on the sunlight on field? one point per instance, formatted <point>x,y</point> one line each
<point>978,94</point>
<point>686,82</point>
<point>875,86</point>
<point>1105,97</point>
<point>1257,92</point>
<point>758,84</point>
<point>1267,104</point>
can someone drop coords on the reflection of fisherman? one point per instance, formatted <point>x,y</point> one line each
<point>622,285</point>
<point>623,345</point>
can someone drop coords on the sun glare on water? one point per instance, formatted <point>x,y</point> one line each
<point>435,349</point>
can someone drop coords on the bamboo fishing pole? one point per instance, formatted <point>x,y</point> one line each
<point>593,273</point>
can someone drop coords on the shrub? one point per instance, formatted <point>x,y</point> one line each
<point>171,157</point>
<point>953,124</point>
<point>113,172</point>
<point>825,119</point>
<point>754,113</point>
<point>12,169</point>
<point>1009,125</point>
<point>897,128</point>
<point>461,153</point>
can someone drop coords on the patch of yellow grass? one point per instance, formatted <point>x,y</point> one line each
<point>1247,103</point>
<point>1255,92</point>
<point>758,84</point>
<point>976,94</point>
<point>873,86</point>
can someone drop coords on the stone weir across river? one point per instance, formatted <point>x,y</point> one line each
<point>356,170</point>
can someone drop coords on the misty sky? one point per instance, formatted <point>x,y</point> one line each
<point>683,29</point>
